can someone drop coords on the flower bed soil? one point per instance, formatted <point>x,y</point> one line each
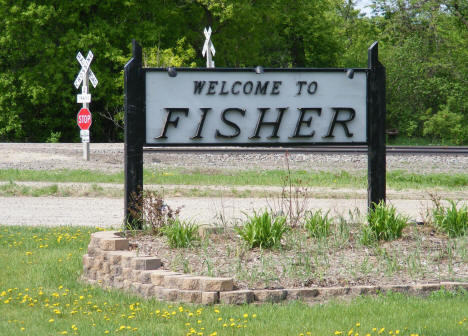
<point>422,255</point>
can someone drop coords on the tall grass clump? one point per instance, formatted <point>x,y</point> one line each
<point>180,233</point>
<point>384,223</point>
<point>263,230</point>
<point>451,220</point>
<point>317,224</point>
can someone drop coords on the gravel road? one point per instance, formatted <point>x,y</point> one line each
<point>108,212</point>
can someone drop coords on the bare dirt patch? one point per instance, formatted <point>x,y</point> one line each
<point>422,255</point>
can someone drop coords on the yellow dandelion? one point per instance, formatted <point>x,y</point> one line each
<point>51,320</point>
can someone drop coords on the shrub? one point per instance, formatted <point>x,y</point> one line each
<point>447,124</point>
<point>262,230</point>
<point>180,233</point>
<point>385,223</point>
<point>317,225</point>
<point>451,220</point>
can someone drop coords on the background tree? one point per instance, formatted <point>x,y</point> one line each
<point>423,44</point>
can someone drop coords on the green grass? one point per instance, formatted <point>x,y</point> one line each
<point>13,189</point>
<point>39,292</point>
<point>416,141</point>
<point>395,179</point>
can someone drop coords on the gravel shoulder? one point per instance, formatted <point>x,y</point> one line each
<point>109,158</point>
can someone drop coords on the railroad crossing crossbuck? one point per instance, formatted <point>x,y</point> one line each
<point>208,48</point>
<point>85,70</point>
<point>85,75</point>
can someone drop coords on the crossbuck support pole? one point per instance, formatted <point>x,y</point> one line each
<point>84,90</point>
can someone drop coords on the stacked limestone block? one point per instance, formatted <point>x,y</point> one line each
<point>109,263</point>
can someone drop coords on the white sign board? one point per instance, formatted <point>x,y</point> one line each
<point>84,133</point>
<point>240,107</point>
<point>83,98</point>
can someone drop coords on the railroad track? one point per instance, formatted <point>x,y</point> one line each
<point>422,150</point>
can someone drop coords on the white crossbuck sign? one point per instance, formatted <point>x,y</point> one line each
<point>85,70</point>
<point>208,48</point>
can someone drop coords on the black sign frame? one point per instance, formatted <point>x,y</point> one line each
<point>135,128</point>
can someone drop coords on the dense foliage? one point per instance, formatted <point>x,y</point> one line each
<point>424,45</point>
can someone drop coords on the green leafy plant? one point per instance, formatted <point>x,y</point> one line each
<point>385,223</point>
<point>264,230</point>
<point>452,220</point>
<point>317,224</point>
<point>54,137</point>
<point>367,236</point>
<point>180,233</point>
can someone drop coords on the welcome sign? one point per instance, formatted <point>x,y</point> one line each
<point>242,107</point>
<point>252,107</point>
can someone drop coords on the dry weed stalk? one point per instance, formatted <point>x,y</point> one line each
<point>294,199</point>
<point>153,211</point>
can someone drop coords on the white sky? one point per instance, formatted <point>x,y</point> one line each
<point>361,4</point>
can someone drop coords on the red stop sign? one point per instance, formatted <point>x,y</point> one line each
<point>83,119</point>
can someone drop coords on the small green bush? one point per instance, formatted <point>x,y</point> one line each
<point>318,224</point>
<point>385,223</point>
<point>262,230</point>
<point>180,233</point>
<point>451,220</point>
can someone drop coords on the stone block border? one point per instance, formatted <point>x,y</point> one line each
<point>110,264</point>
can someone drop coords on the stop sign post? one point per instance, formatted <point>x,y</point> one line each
<point>84,118</point>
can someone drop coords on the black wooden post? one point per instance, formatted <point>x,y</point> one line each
<point>134,88</point>
<point>376,114</point>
